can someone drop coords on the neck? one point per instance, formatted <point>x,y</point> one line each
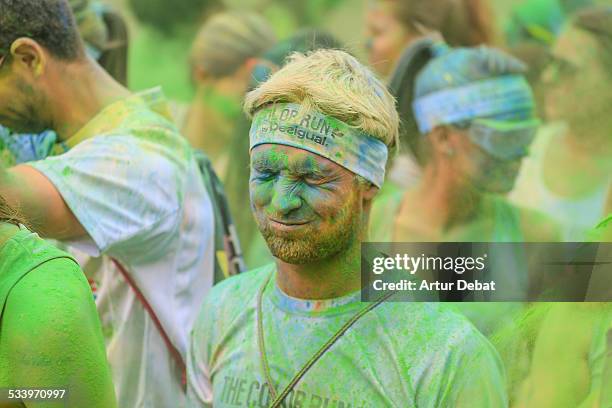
<point>325,279</point>
<point>76,102</point>
<point>444,200</point>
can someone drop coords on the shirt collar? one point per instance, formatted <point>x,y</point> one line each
<point>311,306</point>
<point>116,114</point>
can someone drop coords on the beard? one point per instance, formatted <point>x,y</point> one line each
<point>315,243</point>
<point>495,175</point>
<point>23,121</point>
<point>23,115</point>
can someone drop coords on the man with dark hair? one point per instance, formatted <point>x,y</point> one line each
<point>122,182</point>
<point>104,34</point>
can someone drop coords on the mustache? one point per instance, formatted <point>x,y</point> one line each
<point>290,219</point>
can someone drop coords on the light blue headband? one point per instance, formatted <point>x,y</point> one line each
<point>498,96</point>
<point>284,124</point>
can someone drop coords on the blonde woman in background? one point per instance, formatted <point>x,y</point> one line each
<point>223,56</point>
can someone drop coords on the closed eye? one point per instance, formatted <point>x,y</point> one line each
<point>264,175</point>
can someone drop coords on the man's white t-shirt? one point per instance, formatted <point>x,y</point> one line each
<point>397,355</point>
<point>133,183</point>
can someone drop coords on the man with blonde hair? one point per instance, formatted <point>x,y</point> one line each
<point>295,332</point>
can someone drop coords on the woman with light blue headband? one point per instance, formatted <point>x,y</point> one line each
<point>469,117</point>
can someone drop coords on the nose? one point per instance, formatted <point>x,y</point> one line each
<point>286,197</point>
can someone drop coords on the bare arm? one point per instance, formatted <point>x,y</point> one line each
<point>40,203</point>
<point>560,375</point>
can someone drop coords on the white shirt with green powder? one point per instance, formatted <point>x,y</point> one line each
<point>397,355</point>
<point>133,183</point>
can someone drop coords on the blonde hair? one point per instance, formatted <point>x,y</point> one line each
<point>227,40</point>
<point>8,214</point>
<point>335,84</point>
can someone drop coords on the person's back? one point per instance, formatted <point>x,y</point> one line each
<point>573,345</point>
<point>50,335</point>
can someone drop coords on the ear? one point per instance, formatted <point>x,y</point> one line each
<point>198,74</point>
<point>368,193</point>
<point>442,141</point>
<point>29,56</point>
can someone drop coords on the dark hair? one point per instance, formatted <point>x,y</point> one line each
<point>114,58</point>
<point>48,22</point>
<point>597,21</point>
<point>401,86</point>
<point>9,215</point>
<point>461,22</point>
<point>166,15</point>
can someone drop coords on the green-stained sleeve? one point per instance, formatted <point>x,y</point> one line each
<point>52,337</point>
<point>478,378</point>
<point>199,381</point>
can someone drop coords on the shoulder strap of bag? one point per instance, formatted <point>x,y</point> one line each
<point>176,355</point>
<point>226,237</point>
<point>278,398</point>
